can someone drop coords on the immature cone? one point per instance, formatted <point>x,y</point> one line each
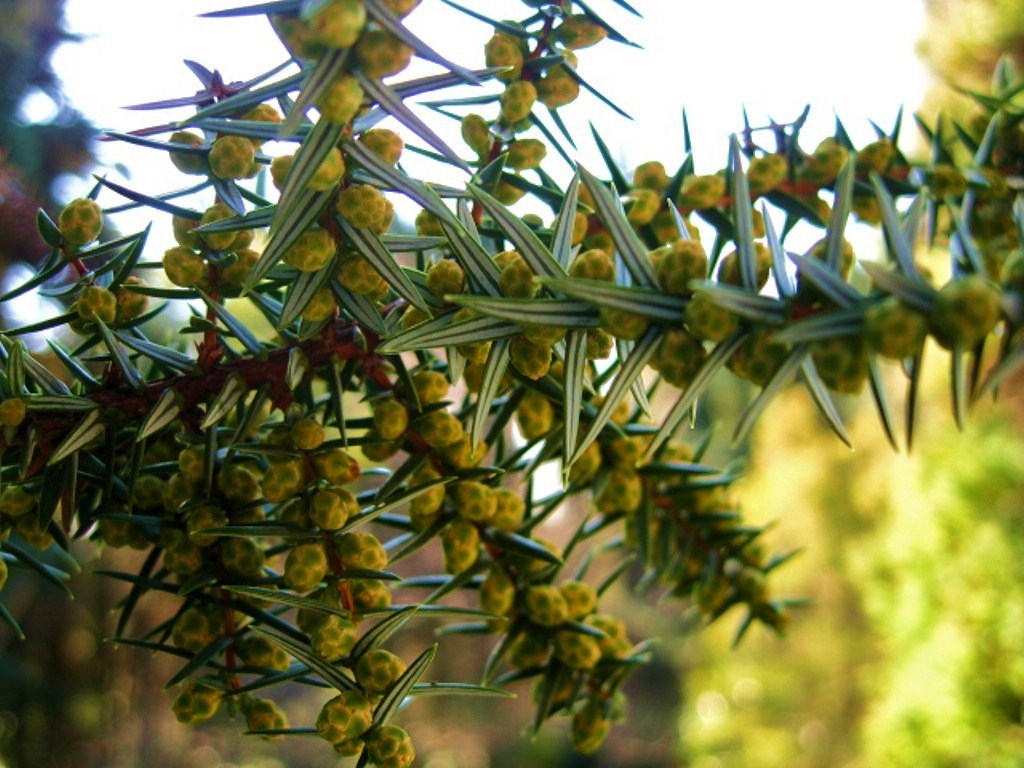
<point>577,650</point>
<point>337,24</point>
<point>476,134</point>
<point>439,429</point>
<point>380,54</point>
<point>346,716</point>
<point>535,415</point>
<point>766,172</point>
<point>12,411</point>
<point>311,250</point>
<point>510,510</point>
<point>475,501</point>
<point>557,88</point>
<point>577,31</point>
<point>580,597</point>
<point>195,703</point>
<point>390,747</point>
<point>335,636</point>
<point>504,50</point>
<point>329,173</point>
<point>80,221</point>
<point>589,728</point>
<point>383,142</point>
<point>517,102</point>
<point>97,303</point>
<point>362,551</point>
<point>359,276</point>
<point>707,320</point>
<point>191,163</point>
<point>264,715</point>
<point>262,113</point>
<point>130,305</point>
<point>842,363</point>
<point>498,592</point>
<point>400,8</point>
<point>525,153</point>
<point>531,360</point>
<point>242,557</point>
<point>758,358</point>
<point>370,595</point>
<point>445,278</point>
<point>390,418</point>
<point>678,264</point>
<point>650,175</point>
<point>341,100</point>
<point>546,605</point>
<point>329,510</point>
<point>363,205</point>
<point>218,241</point>
<point>305,567</point>
<point>701,192</point>
<point>460,542</point>
<point>231,157</point>
<point>966,310</point>
<point>893,330</point>
<point>593,264</point>
<point>336,466</point>
<point>259,651</point>
<point>377,670</point>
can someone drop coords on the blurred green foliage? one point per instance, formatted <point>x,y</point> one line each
<point>910,653</point>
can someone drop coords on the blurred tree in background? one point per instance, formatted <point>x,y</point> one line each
<point>910,653</point>
<point>50,694</point>
<point>34,152</point>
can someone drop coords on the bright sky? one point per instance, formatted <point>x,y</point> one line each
<point>852,59</point>
<point>711,57</point>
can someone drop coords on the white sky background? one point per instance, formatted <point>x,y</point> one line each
<point>713,57</point>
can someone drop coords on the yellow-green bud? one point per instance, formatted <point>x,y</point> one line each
<point>446,277</point>
<point>383,142</point>
<point>346,716</point>
<point>526,153</point>
<point>80,221</point>
<point>578,31</point>
<point>218,241</point>
<point>364,206</point>
<point>557,88</point>
<point>12,411</point>
<point>362,551</point>
<point>311,250</point>
<point>264,715</point>
<point>460,542</point>
<point>390,747</point>
<point>192,163</point>
<point>476,134</point>
<point>231,157</point>
<point>517,101</point>
<point>504,50</point>
<point>546,606</point>
<point>377,670</point>
<point>380,54</point>
<point>341,100</point>
<point>336,466</point>
<point>337,24</point>
<point>329,173</point>
<point>701,192</point>
<point>96,302</point>
<point>766,172</point>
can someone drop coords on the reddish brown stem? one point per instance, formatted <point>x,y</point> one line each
<point>126,404</point>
